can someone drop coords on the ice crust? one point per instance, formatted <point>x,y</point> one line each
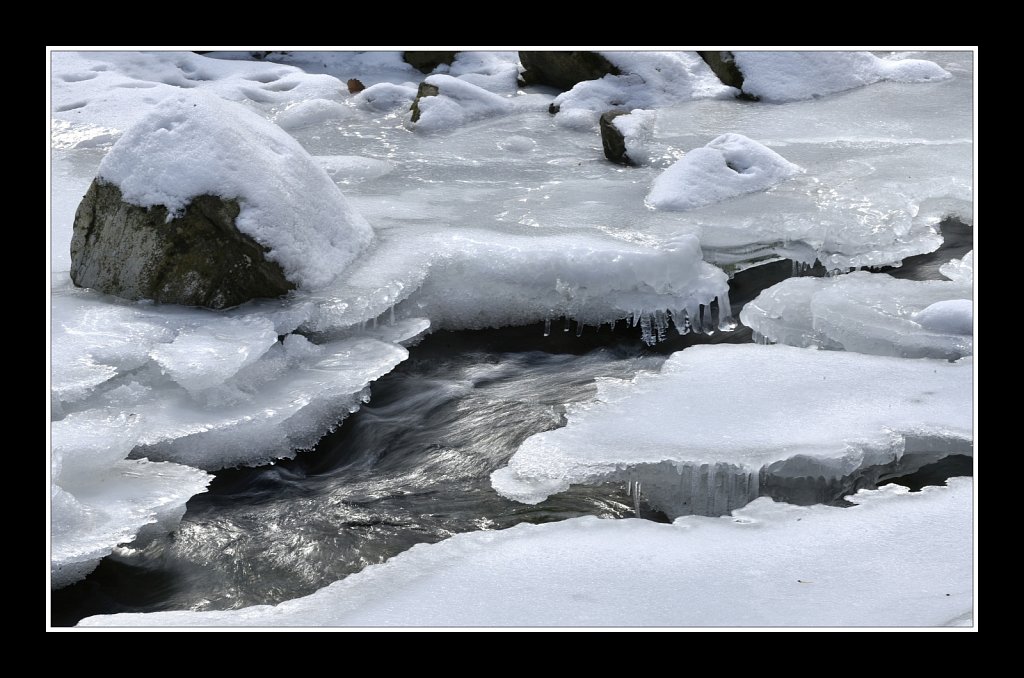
<point>868,313</point>
<point>790,412</point>
<point>894,559</point>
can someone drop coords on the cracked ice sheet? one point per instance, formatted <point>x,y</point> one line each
<point>894,559</point>
<point>821,413</point>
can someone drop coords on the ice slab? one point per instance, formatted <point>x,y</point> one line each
<point>894,559</point>
<point>732,413</point>
<point>868,313</point>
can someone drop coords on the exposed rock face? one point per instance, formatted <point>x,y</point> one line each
<point>355,86</point>
<point>564,69</point>
<point>723,64</point>
<point>612,140</point>
<point>425,62</point>
<point>198,258</point>
<point>425,90</point>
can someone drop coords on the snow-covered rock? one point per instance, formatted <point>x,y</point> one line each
<point>791,76</point>
<point>789,413</point>
<point>728,166</point>
<point>895,558</point>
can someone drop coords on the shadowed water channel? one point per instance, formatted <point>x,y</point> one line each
<point>412,466</point>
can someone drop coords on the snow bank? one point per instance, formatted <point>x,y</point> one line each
<point>868,313</point>
<point>804,413</point>
<point>894,559</point>
<point>791,76</point>
<point>97,95</point>
<point>195,144</point>
<point>727,166</point>
<point>457,103</point>
<point>647,80</point>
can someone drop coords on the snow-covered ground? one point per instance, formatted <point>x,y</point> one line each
<point>490,211</point>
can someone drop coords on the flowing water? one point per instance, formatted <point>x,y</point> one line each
<point>412,466</point>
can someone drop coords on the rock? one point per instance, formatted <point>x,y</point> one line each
<point>724,66</point>
<point>425,90</point>
<point>425,62</point>
<point>355,86</point>
<point>564,69</point>
<point>612,140</point>
<point>198,258</point>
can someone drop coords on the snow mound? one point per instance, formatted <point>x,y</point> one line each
<point>868,313</point>
<point>895,558</point>
<point>647,80</point>
<point>312,112</point>
<point>805,413</point>
<point>196,144</point>
<point>791,76</point>
<point>457,103</point>
<point>637,129</point>
<point>385,97</point>
<point>728,166</point>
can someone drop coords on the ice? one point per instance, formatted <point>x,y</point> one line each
<point>99,499</point>
<point>792,76</point>
<point>868,313</point>
<point>960,270</point>
<point>352,169</point>
<point>312,112</point>
<point>895,558</point>
<point>802,413</point>
<point>728,166</point>
<point>195,144</point>
<point>209,354</point>
<point>647,80</point>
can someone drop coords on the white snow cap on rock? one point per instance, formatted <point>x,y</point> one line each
<point>195,144</point>
<point>791,76</point>
<point>728,166</point>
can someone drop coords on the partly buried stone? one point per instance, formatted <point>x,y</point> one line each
<point>564,69</point>
<point>612,140</point>
<point>425,90</point>
<point>425,62</point>
<point>723,64</point>
<point>198,258</point>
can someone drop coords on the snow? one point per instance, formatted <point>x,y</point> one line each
<point>312,112</point>
<point>894,559</point>
<point>196,144</point>
<point>951,316</point>
<point>868,313</point>
<point>457,103</point>
<point>647,80</point>
<point>792,76</point>
<point>385,96</point>
<point>637,129</point>
<point>728,166</point>
<point>804,413</point>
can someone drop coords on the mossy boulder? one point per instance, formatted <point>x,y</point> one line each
<point>197,258</point>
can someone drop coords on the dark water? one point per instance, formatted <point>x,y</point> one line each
<point>410,467</point>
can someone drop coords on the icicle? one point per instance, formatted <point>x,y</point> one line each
<point>661,324</point>
<point>645,328</point>
<point>547,327</point>
<point>726,322</point>
<point>636,499</point>
<point>681,321</point>
<point>579,328</point>
<point>568,322</point>
<point>374,323</point>
<point>795,271</point>
<point>707,322</point>
<point>391,321</point>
